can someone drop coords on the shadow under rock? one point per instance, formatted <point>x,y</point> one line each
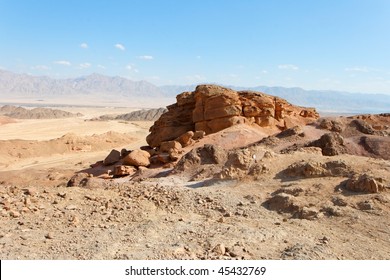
<point>210,183</point>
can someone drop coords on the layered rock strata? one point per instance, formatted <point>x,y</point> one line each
<point>212,108</point>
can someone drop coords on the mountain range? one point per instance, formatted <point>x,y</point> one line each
<point>97,88</point>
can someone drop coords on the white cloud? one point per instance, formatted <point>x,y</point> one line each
<point>101,66</point>
<point>146,57</point>
<point>198,57</point>
<point>85,65</point>
<point>62,62</point>
<point>84,45</point>
<point>264,72</point>
<point>40,67</point>
<point>120,47</point>
<point>288,67</point>
<point>131,68</point>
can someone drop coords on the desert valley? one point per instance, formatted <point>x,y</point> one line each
<point>220,174</point>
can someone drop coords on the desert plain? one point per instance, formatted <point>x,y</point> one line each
<point>242,192</point>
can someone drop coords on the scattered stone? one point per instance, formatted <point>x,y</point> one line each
<point>123,170</point>
<point>30,191</point>
<point>137,158</point>
<point>309,213</point>
<point>283,202</point>
<point>185,139</point>
<point>219,249</point>
<point>49,235</point>
<point>79,179</point>
<point>293,131</point>
<point>339,201</point>
<point>14,214</point>
<point>113,157</point>
<point>71,207</point>
<point>365,205</point>
<point>198,135</point>
<point>61,194</point>
<point>169,146</point>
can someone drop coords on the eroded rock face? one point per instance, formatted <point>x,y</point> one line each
<point>365,183</point>
<point>212,108</point>
<point>331,144</point>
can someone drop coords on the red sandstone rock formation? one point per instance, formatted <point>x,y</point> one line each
<point>212,108</point>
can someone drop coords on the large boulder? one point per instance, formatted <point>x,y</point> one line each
<point>211,108</point>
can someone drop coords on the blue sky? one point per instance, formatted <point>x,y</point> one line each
<point>324,44</point>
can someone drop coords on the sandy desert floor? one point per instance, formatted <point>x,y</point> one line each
<point>176,216</point>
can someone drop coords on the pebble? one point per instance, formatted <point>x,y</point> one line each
<point>30,191</point>
<point>71,207</point>
<point>49,235</point>
<point>228,214</point>
<point>219,249</point>
<point>27,201</point>
<point>14,214</point>
<point>61,194</point>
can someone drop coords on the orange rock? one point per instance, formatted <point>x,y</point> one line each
<point>211,108</point>
<point>137,158</point>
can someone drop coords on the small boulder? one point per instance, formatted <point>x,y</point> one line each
<point>137,158</point>
<point>331,144</point>
<point>198,135</point>
<point>364,183</point>
<point>79,179</point>
<point>186,139</point>
<point>169,146</point>
<point>113,157</point>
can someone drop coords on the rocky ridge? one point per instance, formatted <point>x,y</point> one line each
<point>36,113</point>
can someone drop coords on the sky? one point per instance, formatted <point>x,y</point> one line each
<point>324,44</point>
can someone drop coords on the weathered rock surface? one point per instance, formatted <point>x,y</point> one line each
<point>331,144</point>
<point>123,170</point>
<point>112,157</point>
<point>137,158</point>
<point>212,108</point>
<point>314,169</point>
<point>365,183</point>
<point>208,154</point>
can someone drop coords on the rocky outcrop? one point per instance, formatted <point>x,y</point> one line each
<point>212,108</point>
<point>314,169</point>
<point>365,183</point>
<point>331,144</point>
